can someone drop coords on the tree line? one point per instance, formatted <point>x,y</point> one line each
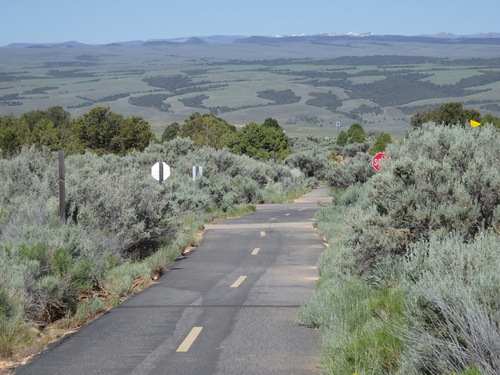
<point>105,132</point>
<point>451,114</point>
<point>260,141</point>
<point>99,130</point>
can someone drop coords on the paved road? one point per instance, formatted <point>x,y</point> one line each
<point>230,307</point>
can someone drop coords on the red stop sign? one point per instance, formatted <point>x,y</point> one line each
<point>378,160</point>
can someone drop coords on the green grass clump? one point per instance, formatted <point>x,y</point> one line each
<point>275,195</point>
<point>88,310</point>
<point>14,333</point>
<point>239,210</point>
<point>472,370</point>
<point>121,279</point>
<point>356,321</point>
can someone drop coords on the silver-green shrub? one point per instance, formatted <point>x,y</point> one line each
<point>310,163</point>
<point>117,215</point>
<point>453,304</point>
<point>441,179</point>
<point>311,156</point>
<point>425,228</point>
<point>357,169</point>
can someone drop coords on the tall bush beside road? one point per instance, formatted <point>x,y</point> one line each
<point>412,261</point>
<point>453,309</point>
<point>440,180</point>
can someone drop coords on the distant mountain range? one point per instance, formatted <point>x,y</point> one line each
<point>482,38</point>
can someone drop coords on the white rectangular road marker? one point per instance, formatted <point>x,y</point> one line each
<point>188,341</point>
<point>256,251</point>
<point>238,282</point>
<point>262,233</point>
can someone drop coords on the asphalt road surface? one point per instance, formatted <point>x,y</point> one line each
<point>230,307</point>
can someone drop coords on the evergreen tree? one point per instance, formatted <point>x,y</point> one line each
<point>381,141</point>
<point>261,142</point>
<point>170,132</point>
<point>14,133</point>
<point>489,118</point>
<point>448,114</point>
<point>105,132</point>
<point>342,139</point>
<point>207,130</point>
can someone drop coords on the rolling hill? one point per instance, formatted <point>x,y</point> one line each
<point>308,83</point>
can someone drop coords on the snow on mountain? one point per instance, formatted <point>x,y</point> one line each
<point>221,39</point>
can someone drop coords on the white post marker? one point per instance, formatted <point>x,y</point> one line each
<point>197,171</point>
<point>160,171</point>
<point>62,188</point>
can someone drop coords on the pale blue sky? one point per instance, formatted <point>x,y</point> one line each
<point>106,21</point>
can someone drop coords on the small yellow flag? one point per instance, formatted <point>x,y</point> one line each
<point>474,123</point>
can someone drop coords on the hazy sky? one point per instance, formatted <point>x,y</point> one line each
<point>106,21</point>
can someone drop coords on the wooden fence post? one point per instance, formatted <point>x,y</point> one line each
<point>62,188</point>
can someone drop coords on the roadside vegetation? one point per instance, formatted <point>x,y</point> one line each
<point>408,284</point>
<point>122,228</point>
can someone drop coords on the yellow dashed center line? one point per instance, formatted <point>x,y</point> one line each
<point>238,282</point>
<point>256,251</point>
<point>188,341</point>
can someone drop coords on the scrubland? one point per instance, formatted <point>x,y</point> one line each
<point>409,282</point>
<point>122,230</point>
